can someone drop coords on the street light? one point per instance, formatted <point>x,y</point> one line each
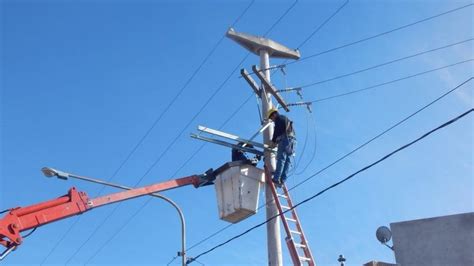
<point>51,172</point>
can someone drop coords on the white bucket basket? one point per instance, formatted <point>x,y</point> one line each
<point>237,188</point>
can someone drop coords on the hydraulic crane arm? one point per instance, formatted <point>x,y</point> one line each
<point>75,202</point>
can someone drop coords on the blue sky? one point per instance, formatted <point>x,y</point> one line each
<point>82,81</point>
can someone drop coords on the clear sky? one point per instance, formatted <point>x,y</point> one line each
<point>83,81</point>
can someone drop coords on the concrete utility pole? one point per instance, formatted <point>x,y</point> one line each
<point>266,48</point>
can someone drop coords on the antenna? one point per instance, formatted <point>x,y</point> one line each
<point>384,235</point>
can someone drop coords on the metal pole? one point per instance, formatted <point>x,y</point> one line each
<point>156,195</point>
<point>273,227</point>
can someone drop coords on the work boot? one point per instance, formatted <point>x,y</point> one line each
<point>277,183</point>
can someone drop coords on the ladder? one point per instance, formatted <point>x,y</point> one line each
<point>295,238</point>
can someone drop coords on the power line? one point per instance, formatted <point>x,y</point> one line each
<point>30,233</point>
<point>314,150</point>
<point>381,34</point>
<point>343,46</point>
<point>299,46</point>
<point>150,129</point>
<point>392,81</point>
<point>129,220</point>
<point>281,17</point>
<point>193,75</point>
<point>179,135</point>
<point>322,24</point>
<point>297,163</point>
<point>386,63</point>
<point>384,132</point>
<point>340,182</point>
<point>348,154</point>
<point>318,28</point>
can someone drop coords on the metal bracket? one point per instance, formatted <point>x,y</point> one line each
<point>207,178</point>
<point>237,139</point>
<point>6,252</point>
<point>270,88</point>
<point>307,104</point>
<point>233,137</point>
<point>296,89</point>
<point>227,144</point>
<point>251,82</point>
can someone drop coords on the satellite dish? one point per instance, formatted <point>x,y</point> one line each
<point>383,234</point>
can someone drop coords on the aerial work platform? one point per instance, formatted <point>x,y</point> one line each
<point>237,187</point>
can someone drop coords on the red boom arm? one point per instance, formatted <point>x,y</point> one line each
<point>75,202</point>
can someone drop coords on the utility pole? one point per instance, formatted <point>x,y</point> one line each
<point>266,48</point>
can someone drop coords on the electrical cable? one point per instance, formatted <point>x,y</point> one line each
<point>299,46</point>
<point>319,27</point>
<point>339,182</point>
<point>380,34</point>
<point>385,63</point>
<point>159,158</point>
<point>129,220</point>
<point>179,134</point>
<point>384,132</point>
<point>313,156</point>
<point>344,46</point>
<point>347,154</point>
<point>29,234</point>
<point>322,24</point>
<point>171,261</point>
<point>391,81</point>
<point>304,146</point>
<point>155,122</point>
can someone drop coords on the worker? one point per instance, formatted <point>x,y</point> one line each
<point>285,140</point>
<point>239,155</point>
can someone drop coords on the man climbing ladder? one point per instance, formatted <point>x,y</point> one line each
<point>285,140</point>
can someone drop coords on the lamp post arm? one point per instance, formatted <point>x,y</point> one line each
<point>75,202</point>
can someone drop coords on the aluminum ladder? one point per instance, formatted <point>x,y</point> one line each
<point>295,238</point>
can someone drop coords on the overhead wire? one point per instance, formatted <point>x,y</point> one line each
<point>29,233</point>
<point>370,37</point>
<point>385,63</point>
<point>313,155</point>
<point>381,34</point>
<point>129,220</point>
<point>338,183</point>
<point>348,154</point>
<point>304,146</point>
<point>182,131</point>
<point>383,132</point>
<point>214,48</point>
<point>299,46</point>
<point>341,47</point>
<point>391,81</point>
<point>155,122</point>
<point>356,91</point>
<point>311,35</point>
<point>283,65</point>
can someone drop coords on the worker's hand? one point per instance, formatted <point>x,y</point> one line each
<point>272,145</point>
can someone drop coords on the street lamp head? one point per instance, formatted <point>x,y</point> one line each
<point>256,43</point>
<point>50,172</point>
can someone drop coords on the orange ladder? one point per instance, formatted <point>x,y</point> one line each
<point>295,238</point>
